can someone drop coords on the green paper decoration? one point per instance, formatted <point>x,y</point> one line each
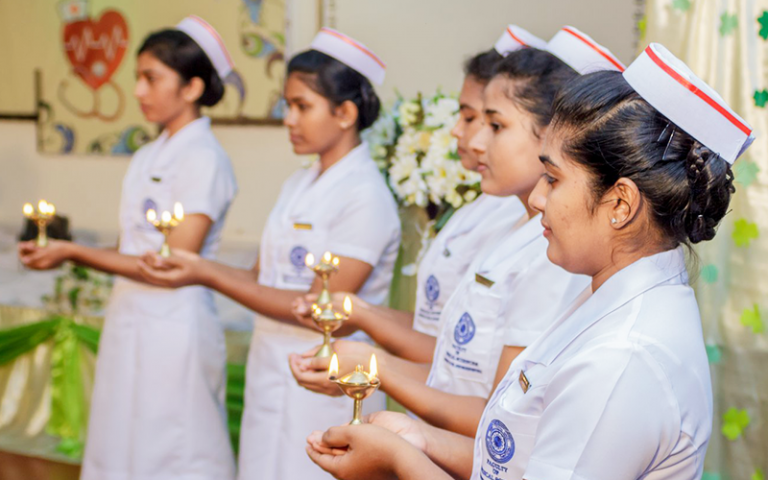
<point>763,21</point>
<point>714,354</point>
<point>761,98</point>
<point>744,232</point>
<point>751,318</point>
<point>734,423</point>
<point>709,273</point>
<point>728,23</point>
<point>746,172</point>
<point>682,5</point>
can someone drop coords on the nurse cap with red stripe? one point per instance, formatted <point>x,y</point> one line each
<point>209,40</point>
<point>515,38</point>
<point>580,52</point>
<point>669,86</point>
<point>351,53</point>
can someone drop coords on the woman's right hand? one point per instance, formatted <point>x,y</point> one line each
<point>182,268</point>
<point>44,258</point>
<point>412,430</point>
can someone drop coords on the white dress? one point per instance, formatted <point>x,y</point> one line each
<point>617,388</point>
<point>158,401</point>
<point>349,211</point>
<point>453,249</point>
<point>527,294</point>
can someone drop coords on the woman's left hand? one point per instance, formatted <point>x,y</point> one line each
<point>357,452</point>
<point>312,372</point>
<point>182,268</point>
<point>44,258</point>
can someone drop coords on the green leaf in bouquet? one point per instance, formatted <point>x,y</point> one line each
<point>74,295</point>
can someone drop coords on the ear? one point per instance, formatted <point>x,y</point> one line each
<point>623,203</point>
<point>193,90</point>
<point>346,115</point>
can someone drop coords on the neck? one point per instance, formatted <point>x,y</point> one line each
<point>532,212</point>
<point>187,116</point>
<point>338,151</point>
<point>619,261</point>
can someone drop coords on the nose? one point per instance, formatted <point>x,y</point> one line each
<point>289,119</point>
<point>538,198</point>
<point>140,90</point>
<point>479,143</point>
<point>458,130</point>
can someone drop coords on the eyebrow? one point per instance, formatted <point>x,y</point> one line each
<point>490,111</point>
<point>547,161</point>
<point>464,106</point>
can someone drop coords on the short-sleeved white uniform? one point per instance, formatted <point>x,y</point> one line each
<point>349,211</point>
<point>527,294</point>
<point>453,249</point>
<point>158,401</point>
<point>617,388</point>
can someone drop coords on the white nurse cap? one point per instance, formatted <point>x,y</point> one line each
<point>351,53</point>
<point>515,38</point>
<point>209,40</point>
<point>671,87</point>
<point>581,53</point>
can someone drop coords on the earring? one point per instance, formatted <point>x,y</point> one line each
<point>613,221</point>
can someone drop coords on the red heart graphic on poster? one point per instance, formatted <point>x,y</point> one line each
<point>95,49</point>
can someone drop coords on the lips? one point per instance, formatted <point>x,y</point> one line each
<point>547,230</point>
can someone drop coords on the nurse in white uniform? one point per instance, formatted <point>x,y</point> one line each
<point>158,402</point>
<point>637,165</point>
<point>411,335</point>
<point>512,292</point>
<point>340,204</point>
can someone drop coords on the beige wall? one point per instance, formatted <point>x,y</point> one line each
<point>423,42</point>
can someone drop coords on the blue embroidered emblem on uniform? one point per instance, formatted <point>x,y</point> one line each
<point>432,289</point>
<point>297,256</point>
<point>465,330</point>
<point>149,204</point>
<point>499,442</point>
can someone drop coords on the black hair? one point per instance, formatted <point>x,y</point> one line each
<point>610,130</point>
<point>338,83</point>
<point>178,51</point>
<point>481,66</point>
<point>537,77</point>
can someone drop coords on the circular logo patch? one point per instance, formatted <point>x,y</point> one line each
<point>499,442</point>
<point>147,205</point>
<point>465,330</point>
<point>432,289</point>
<point>297,256</point>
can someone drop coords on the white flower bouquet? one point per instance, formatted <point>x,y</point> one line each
<point>413,146</point>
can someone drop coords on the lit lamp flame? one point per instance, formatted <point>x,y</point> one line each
<point>42,206</point>
<point>309,260</point>
<point>333,368</point>
<point>373,370</point>
<point>166,217</point>
<point>178,211</point>
<point>28,209</point>
<point>151,215</point>
<point>335,261</point>
<point>327,257</point>
<point>347,305</point>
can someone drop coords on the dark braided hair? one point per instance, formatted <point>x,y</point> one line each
<point>609,129</point>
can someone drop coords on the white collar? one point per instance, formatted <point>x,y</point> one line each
<point>625,285</point>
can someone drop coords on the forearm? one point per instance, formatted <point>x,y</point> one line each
<point>241,286</point>
<point>452,452</point>
<point>457,413</point>
<point>106,260</point>
<point>393,330</point>
<point>412,464</point>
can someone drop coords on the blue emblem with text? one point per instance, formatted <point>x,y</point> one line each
<point>297,256</point>
<point>148,204</point>
<point>465,330</point>
<point>499,442</point>
<point>432,289</point>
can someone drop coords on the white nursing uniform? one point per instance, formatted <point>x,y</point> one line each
<point>158,401</point>
<point>349,211</point>
<point>453,249</point>
<point>509,296</point>
<point>617,388</point>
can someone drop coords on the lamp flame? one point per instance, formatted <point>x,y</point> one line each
<point>333,368</point>
<point>28,209</point>
<point>151,215</point>
<point>347,305</point>
<point>309,260</point>
<point>178,211</point>
<point>373,368</point>
<point>166,217</point>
